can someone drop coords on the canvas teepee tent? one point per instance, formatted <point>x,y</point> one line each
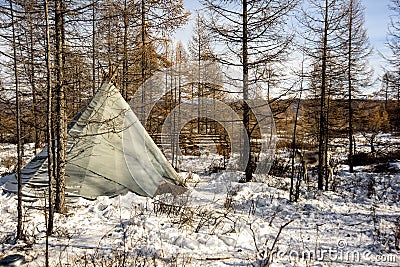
<point>108,153</point>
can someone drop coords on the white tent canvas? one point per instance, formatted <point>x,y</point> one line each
<point>109,152</point>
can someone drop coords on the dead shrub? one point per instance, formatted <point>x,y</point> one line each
<point>279,168</point>
<point>9,162</point>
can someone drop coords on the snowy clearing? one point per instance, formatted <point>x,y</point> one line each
<point>220,222</point>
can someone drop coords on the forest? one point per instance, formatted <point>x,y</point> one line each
<point>269,111</point>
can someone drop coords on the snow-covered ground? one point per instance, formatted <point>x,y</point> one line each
<point>220,222</point>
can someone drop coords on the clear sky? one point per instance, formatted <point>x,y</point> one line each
<point>377,18</point>
<point>376,22</point>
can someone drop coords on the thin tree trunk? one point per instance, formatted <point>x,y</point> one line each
<point>172,120</point>
<point>349,77</point>
<point>192,102</point>
<point>18,127</point>
<point>61,104</point>
<point>398,107</point>
<point>322,118</point>
<point>143,40</point>
<point>291,193</point>
<point>33,85</point>
<point>93,48</point>
<point>326,176</point>
<point>179,108</point>
<point>125,56</point>
<point>246,111</point>
<point>199,93</point>
<point>49,125</point>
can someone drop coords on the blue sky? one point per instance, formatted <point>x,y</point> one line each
<point>377,19</point>
<point>376,22</point>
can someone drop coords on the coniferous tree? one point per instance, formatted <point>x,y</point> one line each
<point>137,48</point>
<point>390,91</point>
<point>18,121</point>
<point>393,42</point>
<point>61,120</point>
<point>356,52</point>
<point>49,129</point>
<point>323,24</point>
<point>207,69</point>
<point>254,37</point>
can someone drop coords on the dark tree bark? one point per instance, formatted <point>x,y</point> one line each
<point>323,22</point>
<point>49,124</point>
<point>32,81</point>
<point>393,42</point>
<point>49,141</point>
<point>125,52</point>
<point>143,56</point>
<point>246,143</point>
<point>357,50</point>
<point>94,32</point>
<point>18,136</point>
<point>61,123</point>
<point>322,116</point>
<point>254,37</point>
<point>293,196</point>
<point>350,91</point>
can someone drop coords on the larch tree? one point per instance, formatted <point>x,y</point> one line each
<point>202,52</point>
<point>393,42</point>
<point>94,48</point>
<point>158,19</point>
<point>390,91</point>
<point>253,36</point>
<point>18,136</point>
<point>199,49</point>
<point>323,23</point>
<point>30,46</point>
<point>356,50</point>
<point>73,31</point>
<point>137,48</point>
<point>23,37</point>
<point>61,120</point>
<point>123,15</point>
<point>294,190</point>
<point>49,127</point>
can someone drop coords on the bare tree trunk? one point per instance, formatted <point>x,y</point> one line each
<point>125,54</point>
<point>93,48</point>
<point>49,127</point>
<point>349,77</point>
<point>143,66</point>
<point>386,81</point>
<point>179,108</point>
<point>242,28</point>
<point>246,110</point>
<point>326,176</point>
<point>49,124</point>
<point>200,94</point>
<point>175,134</point>
<point>398,107</point>
<point>322,118</point>
<point>33,86</point>
<point>61,104</point>
<point>291,193</point>
<point>19,234</point>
